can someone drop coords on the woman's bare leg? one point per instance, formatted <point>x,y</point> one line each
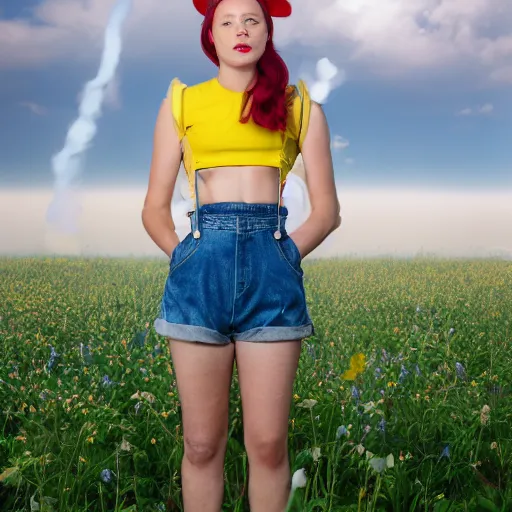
<point>203,377</point>
<point>266,372</point>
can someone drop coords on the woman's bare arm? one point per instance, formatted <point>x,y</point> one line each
<point>325,207</point>
<point>165,164</point>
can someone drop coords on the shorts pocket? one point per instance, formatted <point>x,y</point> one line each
<point>289,252</point>
<point>182,252</point>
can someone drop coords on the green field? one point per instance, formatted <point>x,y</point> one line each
<point>90,417</point>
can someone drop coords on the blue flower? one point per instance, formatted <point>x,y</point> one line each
<point>53,358</point>
<point>355,393</point>
<point>461,372</point>
<point>451,332</point>
<point>417,370</point>
<point>384,356</point>
<point>106,475</point>
<point>342,431</point>
<point>445,452</point>
<point>403,373</point>
<point>381,426</point>
<point>106,381</point>
<point>378,373</point>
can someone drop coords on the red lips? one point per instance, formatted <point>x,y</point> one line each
<point>243,48</point>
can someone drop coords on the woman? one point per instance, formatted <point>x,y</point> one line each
<point>235,285</point>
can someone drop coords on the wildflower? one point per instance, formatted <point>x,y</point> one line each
<point>378,373</point>
<point>81,459</point>
<point>299,479</point>
<point>53,358</point>
<point>164,414</point>
<point>138,405</point>
<point>153,440</point>
<point>417,370</point>
<point>106,381</point>
<point>342,431</point>
<point>473,383</point>
<point>381,464</point>
<point>384,356</point>
<point>296,397</point>
<point>484,414</point>
<point>381,426</point>
<point>494,445</point>
<point>125,445</point>
<point>355,393</point>
<point>451,332</point>
<point>445,452</point>
<point>391,384</point>
<point>357,365</point>
<point>316,453</point>
<point>85,353</point>
<point>308,403</point>
<point>403,373</point>
<point>90,439</point>
<point>418,309</point>
<point>360,449</point>
<point>461,372</point>
<point>106,475</point>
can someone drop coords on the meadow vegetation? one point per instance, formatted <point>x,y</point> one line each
<point>402,400</point>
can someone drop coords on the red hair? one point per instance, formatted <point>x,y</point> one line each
<point>266,101</point>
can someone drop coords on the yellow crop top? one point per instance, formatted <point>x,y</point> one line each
<point>206,117</point>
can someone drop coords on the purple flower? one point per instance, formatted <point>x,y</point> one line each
<point>384,356</point>
<point>355,393</point>
<point>378,373</point>
<point>106,381</point>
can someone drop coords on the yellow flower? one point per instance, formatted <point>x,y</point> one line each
<point>391,384</point>
<point>153,440</point>
<point>357,365</point>
<point>90,439</point>
<point>473,383</point>
<point>296,396</point>
<point>165,414</point>
<point>81,459</point>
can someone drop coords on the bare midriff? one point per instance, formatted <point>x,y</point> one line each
<point>247,184</point>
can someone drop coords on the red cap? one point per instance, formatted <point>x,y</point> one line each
<point>276,8</point>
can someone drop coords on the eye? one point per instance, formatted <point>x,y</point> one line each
<point>225,23</point>
<point>251,19</point>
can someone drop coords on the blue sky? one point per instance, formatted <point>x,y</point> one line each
<point>433,112</point>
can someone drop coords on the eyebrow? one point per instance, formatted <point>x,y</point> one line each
<point>245,14</point>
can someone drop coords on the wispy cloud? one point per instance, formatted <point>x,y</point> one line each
<point>36,109</point>
<point>339,143</point>
<point>485,109</point>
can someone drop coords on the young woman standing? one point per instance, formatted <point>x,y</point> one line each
<point>235,285</point>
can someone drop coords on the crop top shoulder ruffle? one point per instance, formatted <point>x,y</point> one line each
<point>206,117</point>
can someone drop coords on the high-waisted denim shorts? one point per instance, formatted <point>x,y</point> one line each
<point>236,282</point>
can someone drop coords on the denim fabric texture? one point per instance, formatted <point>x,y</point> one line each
<point>236,282</point>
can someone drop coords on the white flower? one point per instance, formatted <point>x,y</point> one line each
<point>299,479</point>
<point>309,403</point>
<point>315,452</point>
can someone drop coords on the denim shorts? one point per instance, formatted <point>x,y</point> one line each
<point>236,282</point>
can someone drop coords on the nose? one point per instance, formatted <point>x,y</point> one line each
<point>241,31</point>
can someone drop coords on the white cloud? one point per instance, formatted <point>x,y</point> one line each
<point>338,142</point>
<point>485,109</point>
<point>389,37</point>
<point>400,222</point>
<point>35,108</point>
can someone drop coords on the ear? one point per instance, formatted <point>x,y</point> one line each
<point>210,36</point>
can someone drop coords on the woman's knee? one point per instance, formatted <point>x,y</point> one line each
<point>201,452</point>
<point>270,451</point>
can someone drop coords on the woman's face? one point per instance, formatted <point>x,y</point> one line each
<point>239,32</point>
